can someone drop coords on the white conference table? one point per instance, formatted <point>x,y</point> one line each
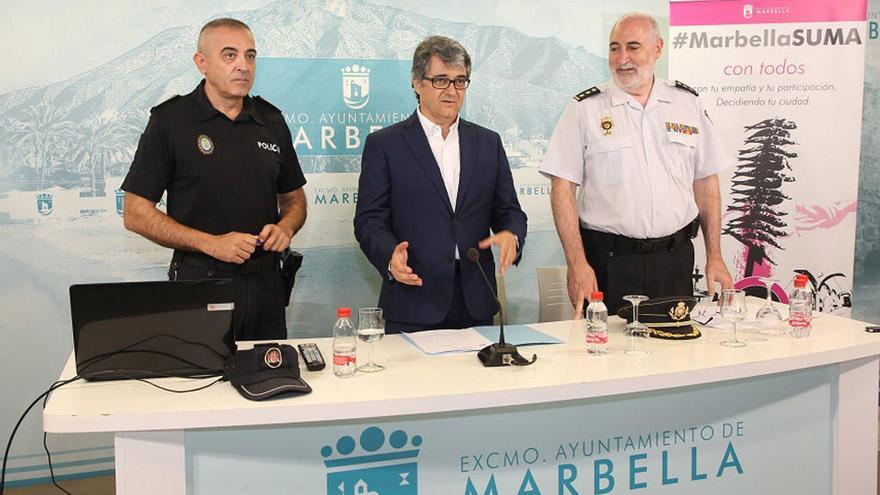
<point>154,430</point>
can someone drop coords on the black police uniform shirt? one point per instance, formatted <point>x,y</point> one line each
<point>221,175</point>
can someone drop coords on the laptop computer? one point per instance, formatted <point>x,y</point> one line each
<point>152,329</point>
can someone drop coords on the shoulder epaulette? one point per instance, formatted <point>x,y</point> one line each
<point>583,95</point>
<point>169,100</point>
<point>681,85</point>
<point>259,99</point>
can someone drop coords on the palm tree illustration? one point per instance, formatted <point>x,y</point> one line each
<point>40,138</point>
<point>100,145</point>
<point>756,189</point>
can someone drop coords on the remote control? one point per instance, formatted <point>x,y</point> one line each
<point>312,356</point>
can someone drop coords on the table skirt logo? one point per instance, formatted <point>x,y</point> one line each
<point>355,86</point>
<point>372,466</point>
<point>44,203</point>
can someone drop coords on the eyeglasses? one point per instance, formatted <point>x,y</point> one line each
<point>444,82</point>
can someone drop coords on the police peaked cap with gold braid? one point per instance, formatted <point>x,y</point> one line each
<point>666,317</point>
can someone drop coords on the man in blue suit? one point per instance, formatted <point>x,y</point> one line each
<point>431,187</point>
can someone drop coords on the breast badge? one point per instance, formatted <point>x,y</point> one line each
<point>607,125</point>
<point>205,145</point>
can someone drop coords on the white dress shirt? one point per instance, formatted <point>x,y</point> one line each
<point>636,165</point>
<point>447,154</point>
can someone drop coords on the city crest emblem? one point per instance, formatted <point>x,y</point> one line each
<point>205,145</point>
<point>44,203</point>
<point>374,464</point>
<point>120,202</point>
<point>748,10</point>
<point>355,86</point>
<point>273,357</point>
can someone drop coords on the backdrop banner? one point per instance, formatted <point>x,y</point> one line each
<point>782,81</point>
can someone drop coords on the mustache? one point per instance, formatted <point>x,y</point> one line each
<point>626,66</point>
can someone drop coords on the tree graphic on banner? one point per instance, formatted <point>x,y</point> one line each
<point>40,137</point>
<point>764,165</point>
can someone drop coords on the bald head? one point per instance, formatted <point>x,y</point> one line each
<point>641,19</point>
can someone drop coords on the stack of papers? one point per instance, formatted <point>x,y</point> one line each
<point>474,339</point>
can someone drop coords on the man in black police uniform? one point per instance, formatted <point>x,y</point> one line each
<point>228,164</point>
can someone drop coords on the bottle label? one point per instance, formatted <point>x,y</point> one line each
<point>339,360</point>
<point>597,338</point>
<point>800,322</point>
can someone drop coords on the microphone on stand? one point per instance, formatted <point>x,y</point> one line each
<point>500,353</point>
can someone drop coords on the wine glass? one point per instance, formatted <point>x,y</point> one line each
<point>371,328</point>
<point>733,308</point>
<point>705,309</point>
<point>769,316</point>
<point>636,329</point>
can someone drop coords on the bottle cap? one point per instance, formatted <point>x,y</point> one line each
<point>343,312</point>
<point>596,296</point>
<point>800,282</point>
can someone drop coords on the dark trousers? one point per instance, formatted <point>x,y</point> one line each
<point>260,296</point>
<point>456,317</point>
<point>623,267</point>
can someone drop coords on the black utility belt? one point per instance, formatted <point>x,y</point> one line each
<point>266,262</point>
<point>620,244</point>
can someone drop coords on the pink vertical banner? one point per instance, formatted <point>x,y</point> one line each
<point>719,12</point>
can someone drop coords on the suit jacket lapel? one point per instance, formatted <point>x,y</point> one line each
<point>467,145</point>
<point>415,138</point>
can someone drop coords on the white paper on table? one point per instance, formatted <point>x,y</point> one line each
<point>720,323</point>
<point>446,341</point>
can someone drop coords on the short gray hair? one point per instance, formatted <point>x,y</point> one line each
<point>655,28</point>
<point>449,51</point>
<point>223,22</point>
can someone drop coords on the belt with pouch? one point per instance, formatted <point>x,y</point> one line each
<point>619,244</point>
<point>268,261</point>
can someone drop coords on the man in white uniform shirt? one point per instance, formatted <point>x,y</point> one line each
<point>646,157</point>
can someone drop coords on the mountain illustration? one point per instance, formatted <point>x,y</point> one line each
<point>520,82</point>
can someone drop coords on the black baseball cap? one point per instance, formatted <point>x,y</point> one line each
<point>265,371</point>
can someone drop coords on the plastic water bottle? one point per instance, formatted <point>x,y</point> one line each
<point>344,345</point>
<point>800,309</point>
<point>597,325</point>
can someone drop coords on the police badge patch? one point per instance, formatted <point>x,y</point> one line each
<point>273,357</point>
<point>607,125</point>
<point>205,145</point>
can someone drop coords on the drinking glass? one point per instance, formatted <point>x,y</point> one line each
<point>733,308</point>
<point>371,328</point>
<point>705,309</point>
<point>636,329</point>
<point>769,316</point>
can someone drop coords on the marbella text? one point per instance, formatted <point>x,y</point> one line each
<point>611,465</point>
<point>335,131</point>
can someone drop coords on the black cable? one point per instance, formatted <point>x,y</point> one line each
<point>51,470</point>
<point>45,397</point>
<point>18,424</point>
<point>86,363</point>
<point>49,454</point>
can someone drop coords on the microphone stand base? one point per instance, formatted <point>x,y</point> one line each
<point>503,355</point>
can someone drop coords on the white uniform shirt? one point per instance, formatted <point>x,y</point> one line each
<point>447,153</point>
<point>636,165</point>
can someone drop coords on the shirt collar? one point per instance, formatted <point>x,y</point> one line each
<point>659,93</point>
<point>206,111</point>
<point>432,129</point>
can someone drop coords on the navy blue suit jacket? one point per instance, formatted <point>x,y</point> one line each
<point>401,197</point>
